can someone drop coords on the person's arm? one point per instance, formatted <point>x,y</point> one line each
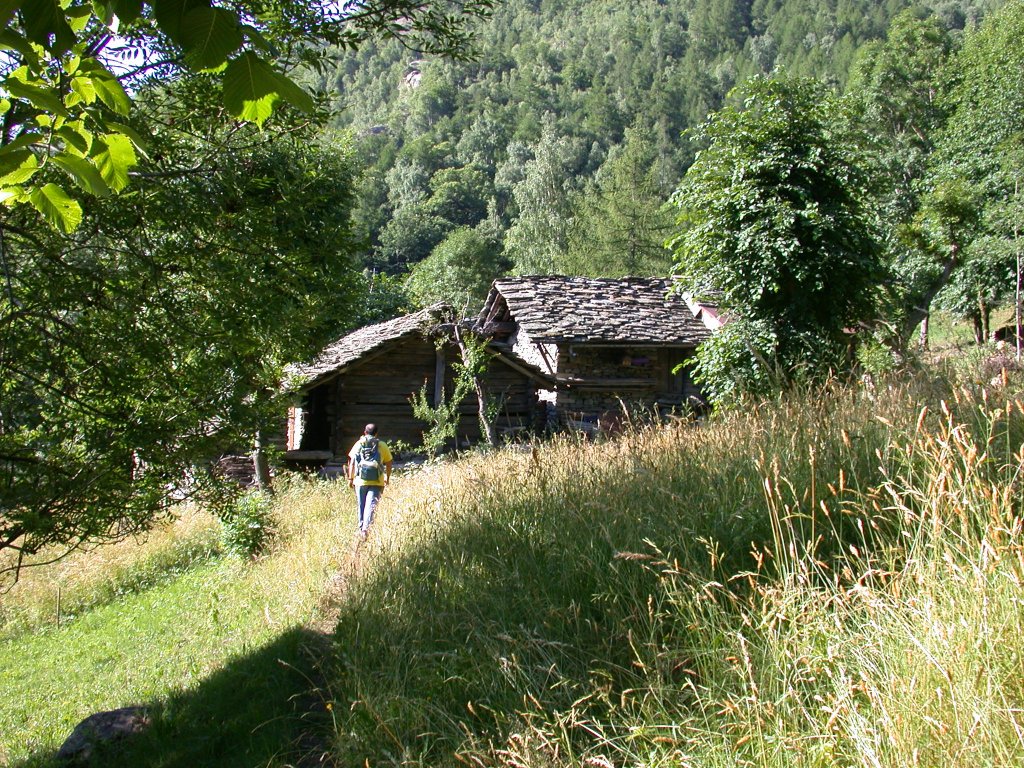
<point>387,473</point>
<point>351,473</point>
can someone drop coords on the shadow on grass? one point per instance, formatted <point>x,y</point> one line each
<point>554,604</point>
<point>499,620</point>
<point>260,709</point>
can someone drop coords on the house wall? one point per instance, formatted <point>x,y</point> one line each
<point>608,377</point>
<point>543,356</point>
<point>378,390</point>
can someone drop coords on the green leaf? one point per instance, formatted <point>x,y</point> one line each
<point>108,88</point>
<point>250,88</point>
<point>11,196</point>
<point>84,89</point>
<point>257,38</point>
<point>61,211</point>
<point>78,17</point>
<point>47,24</point>
<point>40,98</point>
<point>170,15</point>
<point>12,41</point>
<point>210,35</point>
<point>7,9</point>
<point>17,167</point>
<point>104,12</point>
<point>127,10</point>
<point>76,136</point>
<point>136,137</point>
<point>83,173</point>
<point>294,94</point>
<point>26,139</point>
<point>113,155</point>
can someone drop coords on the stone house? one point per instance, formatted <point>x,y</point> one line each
<point>606,343</point>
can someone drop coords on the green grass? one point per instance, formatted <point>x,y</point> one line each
<point>832,578</point>
<point>219,649</point>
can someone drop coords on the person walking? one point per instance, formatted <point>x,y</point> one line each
<point>369,472</point>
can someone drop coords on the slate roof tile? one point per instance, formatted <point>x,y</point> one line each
<point>630,310</point>
<point>352,347</point>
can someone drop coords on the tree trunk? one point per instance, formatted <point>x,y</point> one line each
<point>260,465</point>
<point>923,338</point>
<point>917,313</point>
<point>487,427</point>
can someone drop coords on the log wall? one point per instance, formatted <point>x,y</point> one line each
<point>378,390</point>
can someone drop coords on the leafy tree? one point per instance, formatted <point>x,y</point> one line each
<point>142,333</point>
<point>152,339</point>
<point>459,271</point>
<point>621,223</point>
<point>409,237</point>
<point>949,219</point>
<point>381,297</point>
<point>982,281</point>
<point>459,195</point>
<point>897,94</point>
<point>774,223</point>
<point>538,239</point>
<point>978,165</point>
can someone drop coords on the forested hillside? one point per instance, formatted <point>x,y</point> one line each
<point>554,145</point>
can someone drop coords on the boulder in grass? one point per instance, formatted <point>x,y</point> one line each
<point>102,727</point>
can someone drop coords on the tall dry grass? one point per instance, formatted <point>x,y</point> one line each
<point>832,578</point>
<point>55,585</point>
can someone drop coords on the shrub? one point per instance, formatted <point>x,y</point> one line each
<point>247,526</point>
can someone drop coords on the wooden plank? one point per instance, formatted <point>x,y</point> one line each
<point>439,375</point>
<point>609,384</point>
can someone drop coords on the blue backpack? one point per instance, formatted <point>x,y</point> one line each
<point>368,460</point>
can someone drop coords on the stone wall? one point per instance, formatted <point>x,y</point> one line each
<point>602,382</point>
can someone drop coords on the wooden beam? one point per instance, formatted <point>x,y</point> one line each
<point>547,360</point>
<point>439,367</point>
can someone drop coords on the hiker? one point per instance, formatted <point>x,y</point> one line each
<point>369,471</point>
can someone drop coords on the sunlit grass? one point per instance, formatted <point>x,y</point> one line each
<point>126,640</point>
<point>42,592</point>
<point>831,578</point>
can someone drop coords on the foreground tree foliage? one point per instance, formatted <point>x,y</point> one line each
<point>775,229</point>
<point>143,333</point>
<point>69,66</point>
<point>152,340</point>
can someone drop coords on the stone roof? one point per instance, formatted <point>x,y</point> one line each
<point>362,343</point>
<point>367,342</point>
<point>584,310</point>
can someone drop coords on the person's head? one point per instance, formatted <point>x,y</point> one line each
<point>371,429</point>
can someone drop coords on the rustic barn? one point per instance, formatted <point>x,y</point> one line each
<point>605,342</point>
<point>370,374</point>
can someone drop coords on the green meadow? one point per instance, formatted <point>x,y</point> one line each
<point>830,578</point>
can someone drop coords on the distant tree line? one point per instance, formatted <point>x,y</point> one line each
<point>561,144</point>
<point>564,135</point>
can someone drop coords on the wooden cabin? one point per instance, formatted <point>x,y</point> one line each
<point>605,342</point>
<point>370,375</point>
